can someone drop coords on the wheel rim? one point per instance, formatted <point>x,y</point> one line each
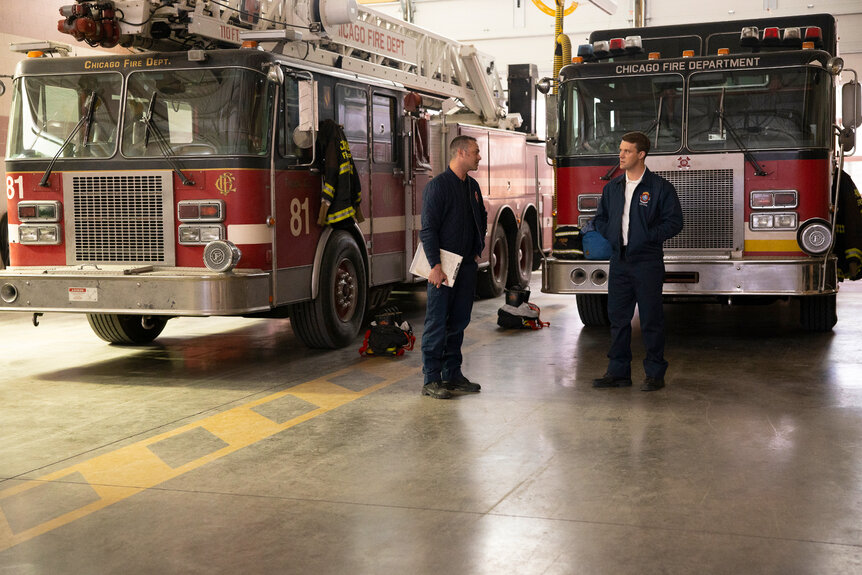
<point>523,265</point>
<point>498,260</point>
<point>345,290</point>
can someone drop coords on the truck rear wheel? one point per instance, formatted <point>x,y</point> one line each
<point>126,329</point>
<point>334,318</point>
<point>818,312</point>
<point>593,309</point>
<point>521,258</point>
<point>492,280</point>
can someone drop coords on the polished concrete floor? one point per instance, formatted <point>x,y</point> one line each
<point>227,447</point>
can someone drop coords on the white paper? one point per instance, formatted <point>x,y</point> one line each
<point>450,261</point>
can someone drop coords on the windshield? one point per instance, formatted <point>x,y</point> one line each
<point>197,112</point>
<point>47,109</point>
<point>762,109</point>
<point>597,112</point>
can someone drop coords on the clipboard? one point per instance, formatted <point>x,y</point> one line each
<point>450,261</point>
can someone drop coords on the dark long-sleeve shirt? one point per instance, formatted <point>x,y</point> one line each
<point>453,217</point>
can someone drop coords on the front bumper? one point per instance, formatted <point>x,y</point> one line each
<point>174,292</point>
<point>801,276</point>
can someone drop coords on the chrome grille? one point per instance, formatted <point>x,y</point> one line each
<point>120,219</point>
<point>707,207</point>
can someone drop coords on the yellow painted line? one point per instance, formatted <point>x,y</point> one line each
<point>129,470</point>
<point>126,471</point>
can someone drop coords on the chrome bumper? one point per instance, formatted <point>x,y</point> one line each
<point>696,277</point>
<point>174,292</point>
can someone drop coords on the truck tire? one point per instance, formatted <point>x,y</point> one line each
<point>818,312</point>
<point>492,280</point>
<point>521,258</point>
<point>334,318</point>
<point>124,329</point>
<point>593,309</point>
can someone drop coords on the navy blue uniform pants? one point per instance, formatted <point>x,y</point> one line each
<point>638,283</point>
<point>446,318</point>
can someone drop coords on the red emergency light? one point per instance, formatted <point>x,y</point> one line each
<point>771,36</point>
<point>814,34</point>
<point>618,45</point>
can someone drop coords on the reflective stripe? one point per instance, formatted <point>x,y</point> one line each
<point>340,215</point>
<point>329,190</point>
<point>345,168</point>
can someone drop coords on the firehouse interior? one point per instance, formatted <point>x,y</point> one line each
<point>214,302</point>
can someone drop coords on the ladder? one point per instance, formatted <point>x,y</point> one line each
<point>331,33</point>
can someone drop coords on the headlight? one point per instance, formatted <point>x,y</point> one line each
<point>815,237</point>
<point>783,221</point>
<point>44,235</point>
<point>192,235</point>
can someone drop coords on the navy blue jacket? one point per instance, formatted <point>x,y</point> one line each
<point>445,220</point>
<point>655,216</point>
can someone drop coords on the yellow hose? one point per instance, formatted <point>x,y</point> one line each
<point>559,48</point>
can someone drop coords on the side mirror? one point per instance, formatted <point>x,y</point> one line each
<point>304,133</point>
<point>847,140</point>
<point>551,126</point>
<point>851,104</point>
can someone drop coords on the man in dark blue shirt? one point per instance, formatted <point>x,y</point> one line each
<point>639,210</point>
<point>453,219</point>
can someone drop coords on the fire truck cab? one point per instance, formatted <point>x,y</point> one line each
<point>174,183</point>
<point>741,119</point>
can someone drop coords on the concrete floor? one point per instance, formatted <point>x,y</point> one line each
<point>227,447</point>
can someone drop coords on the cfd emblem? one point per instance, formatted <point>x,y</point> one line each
<point>224,183</point>
<point>684,162</point>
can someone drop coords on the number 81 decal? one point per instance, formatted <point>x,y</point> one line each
<point>299,220</point>
<point>10,187</point>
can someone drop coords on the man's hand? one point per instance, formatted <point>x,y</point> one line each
<point>437,276</point>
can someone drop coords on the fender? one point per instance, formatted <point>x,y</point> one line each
<point>321,246</point>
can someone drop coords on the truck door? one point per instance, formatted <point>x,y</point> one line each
<point>387,191</point>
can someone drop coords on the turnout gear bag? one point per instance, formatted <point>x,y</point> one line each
<point>390,334</point>
<point>524,316</point>
<point>568,243</point>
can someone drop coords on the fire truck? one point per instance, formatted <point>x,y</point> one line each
<point>183,178</point>
<point>741,117</point>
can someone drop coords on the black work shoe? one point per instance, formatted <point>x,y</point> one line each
<point>652,383</point>
<point>461,383</point>
<point>436,390</point>
<point>608,380</point>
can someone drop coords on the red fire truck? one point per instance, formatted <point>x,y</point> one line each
<point>182,179</point>
<point>741,117</point>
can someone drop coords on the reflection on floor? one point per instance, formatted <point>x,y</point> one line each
<point>227,447</point>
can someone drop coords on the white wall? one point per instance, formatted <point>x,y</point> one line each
<point>494,27</point>
<point>516,35</point>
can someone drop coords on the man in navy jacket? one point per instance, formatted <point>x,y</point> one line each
<point>453,219</point>
<point>637,213</point>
